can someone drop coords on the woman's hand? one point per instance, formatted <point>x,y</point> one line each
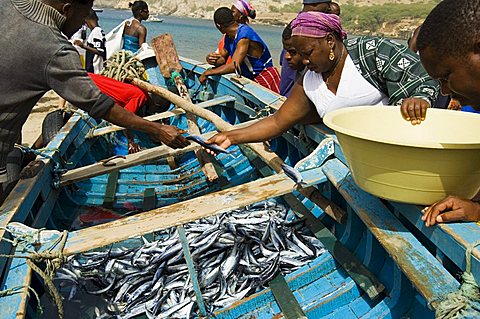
<point>451,209</point>
<point>133,147</point>
<point>221,139</point>
<point>414,110</point>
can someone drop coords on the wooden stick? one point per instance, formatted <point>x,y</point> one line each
<point>185,212</point>
<point>270,158</point>
<point>167,59</point>
<point>164,115</point>
<point>204,159</point>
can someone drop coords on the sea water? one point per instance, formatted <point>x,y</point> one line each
<point>194,38</point>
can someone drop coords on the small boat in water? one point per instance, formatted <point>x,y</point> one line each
<point>154,19</point>
<point>378,261</point>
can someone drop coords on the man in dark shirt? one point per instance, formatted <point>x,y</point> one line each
<point>50,62</point>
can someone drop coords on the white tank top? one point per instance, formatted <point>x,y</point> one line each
<point>353,90</point>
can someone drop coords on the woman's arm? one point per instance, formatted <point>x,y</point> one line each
<point>142,35</point>
<point>297,109</point>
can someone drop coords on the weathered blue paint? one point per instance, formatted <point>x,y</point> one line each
<point>422,268</point>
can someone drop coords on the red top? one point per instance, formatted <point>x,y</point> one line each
<point>124,94</point>
<point>221,46</point>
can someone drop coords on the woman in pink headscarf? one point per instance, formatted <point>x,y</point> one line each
<point>341,73</point>
<point>242,11</point>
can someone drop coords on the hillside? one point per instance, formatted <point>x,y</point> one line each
<point>395,18</point>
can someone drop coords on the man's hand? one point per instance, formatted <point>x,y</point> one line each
<point>414,110</point>
<point>451,209</point>
<point>221,139</point>
<point>170,135</point>
<point>133,147</point>
<point>79,43</point>
<point>203,78</point>
<point>212,58</point>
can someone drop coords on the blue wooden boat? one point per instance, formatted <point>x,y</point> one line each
<point>382,262</point>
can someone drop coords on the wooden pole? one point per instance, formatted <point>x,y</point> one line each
<point>270,158</point>
<point>168,61</point>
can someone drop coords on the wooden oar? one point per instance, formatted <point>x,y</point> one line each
<point>164,115</point>
<point>270,158</point>
<point>185,211</point>
<point>169,64</point>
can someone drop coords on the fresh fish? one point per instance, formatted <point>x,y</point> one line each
<point>293,174</point>
<point>235,254</point>
<point>213,147</point>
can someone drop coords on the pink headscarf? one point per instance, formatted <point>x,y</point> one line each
<point>315,24</point>
<point>245,8</point>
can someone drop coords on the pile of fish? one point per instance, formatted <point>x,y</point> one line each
<point>235,254</point>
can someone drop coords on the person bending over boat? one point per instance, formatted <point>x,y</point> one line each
<point>292,63</point>
<point>242,12</point>
<point>128,96</point>
<point>449,48</point>
<point>135,33</point>
<point>359,71</point>
<point>248,51</point>
<point>50,62</point>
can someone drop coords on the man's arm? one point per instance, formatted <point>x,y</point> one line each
<point>87,47</point>
<point>65,75</point>
<point>238,57</point>
<point>218,59</point>
<point>170,135</point>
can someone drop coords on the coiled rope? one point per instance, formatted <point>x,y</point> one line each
<point>464,303</point>
<point>122,64</point>
<point>52,258</point>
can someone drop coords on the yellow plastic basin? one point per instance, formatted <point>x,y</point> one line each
<point>392,159</point>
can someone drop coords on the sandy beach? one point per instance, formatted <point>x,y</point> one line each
<point>33,127</point>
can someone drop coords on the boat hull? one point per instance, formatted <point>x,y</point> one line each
<point>414,264</point>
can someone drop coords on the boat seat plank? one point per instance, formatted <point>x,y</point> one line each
<point>89,171</point>
<point>111,189</point>
<point>164,115</point>
<point>422,269</point>
<point>285,298</point>
<point>141,157</point>
<point>187,211</point>
<point>451,239</point>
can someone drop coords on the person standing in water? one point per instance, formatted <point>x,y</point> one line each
<point>135,33</point>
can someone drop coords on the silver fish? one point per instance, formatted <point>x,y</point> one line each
<point>293,174</point>
<point>201,141</point>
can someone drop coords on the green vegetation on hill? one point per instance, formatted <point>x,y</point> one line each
<point>361,19</point>
<point>372,18</point>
